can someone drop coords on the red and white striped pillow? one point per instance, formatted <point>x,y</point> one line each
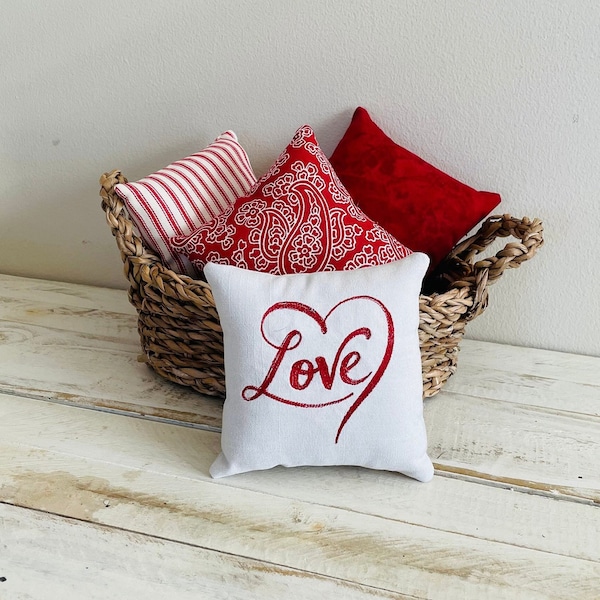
<point>186,194</point>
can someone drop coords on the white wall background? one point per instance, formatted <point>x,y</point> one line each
<point>503,95</point>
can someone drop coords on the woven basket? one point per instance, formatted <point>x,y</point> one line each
<point>179,326</point>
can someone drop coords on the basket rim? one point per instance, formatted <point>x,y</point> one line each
<point>458,277</point>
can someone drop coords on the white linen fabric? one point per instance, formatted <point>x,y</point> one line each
<point>322,368</point>
<point>186,194</point>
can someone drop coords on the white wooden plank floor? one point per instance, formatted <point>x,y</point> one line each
<point>105,492</point>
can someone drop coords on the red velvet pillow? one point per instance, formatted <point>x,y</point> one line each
<point>417,203</point>
<point>297,219</point>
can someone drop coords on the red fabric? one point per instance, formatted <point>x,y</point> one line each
<point>417,203</point>
<point>298,219</point>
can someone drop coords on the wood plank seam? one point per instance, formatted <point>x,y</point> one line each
<point>81,402</point>
<point>234,555</point>
<point>563,493</point>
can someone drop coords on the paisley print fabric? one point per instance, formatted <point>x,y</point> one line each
<point>298,218</point>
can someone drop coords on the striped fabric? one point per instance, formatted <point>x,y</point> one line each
<point>186,194</point>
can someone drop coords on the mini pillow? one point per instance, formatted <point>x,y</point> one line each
<point>298,219</point>
<point>322,368</point>
<point>417,203</point>
<point>187,193</point>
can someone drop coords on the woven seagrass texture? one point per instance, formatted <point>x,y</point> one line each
<point>179,326</point>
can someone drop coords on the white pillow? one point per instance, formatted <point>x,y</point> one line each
<point>322,368</point>
<point>186,194</point>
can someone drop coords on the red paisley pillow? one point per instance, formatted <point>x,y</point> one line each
<point>417,203</point>
<point>298,219</point>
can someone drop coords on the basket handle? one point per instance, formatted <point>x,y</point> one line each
<point>484,272</point>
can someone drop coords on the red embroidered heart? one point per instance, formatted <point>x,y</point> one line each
<point>303,371</point>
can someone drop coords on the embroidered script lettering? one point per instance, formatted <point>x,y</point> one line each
<point>303,371</point>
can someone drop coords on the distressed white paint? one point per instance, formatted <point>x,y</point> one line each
<point>513,511</point>
<point>145,477</point>
<point>79,344</point>
<point>502,95</point>
<point>47,557</point>
<point>151,466</point>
